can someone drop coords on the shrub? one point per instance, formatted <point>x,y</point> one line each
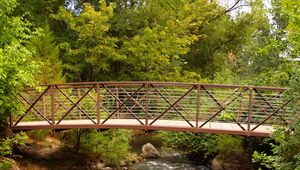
<point>6,144</point>
<point>199,146</point>
<point>285,149</point>
<point>38,134</point>
<point>112,145</point>
<point>229,146</point>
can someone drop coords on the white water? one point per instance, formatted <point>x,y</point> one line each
<point>173,161</point>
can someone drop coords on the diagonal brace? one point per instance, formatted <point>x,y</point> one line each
<point>76,105</point>
<point>223,108</point>
<point>123,104</point>
<point>39,113</point>
<point>273,113</point>
<point>31,106</point>
<point>172,105</point>
<point>268,103</point>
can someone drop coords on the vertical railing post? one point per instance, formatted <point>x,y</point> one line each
<point>52,105</point>
<point>198,104</point>
<point>250,109</point>
<point>44,106</point>
<point>79,95</point>
<point>156,100</point>
<point>117,102</point>
<point>147,103</point>
<point>98,103</point>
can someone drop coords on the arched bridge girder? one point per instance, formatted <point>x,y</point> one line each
<point>193,107</point>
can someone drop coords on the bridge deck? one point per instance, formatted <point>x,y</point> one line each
<point>174,125</point>
<point>226,109</point>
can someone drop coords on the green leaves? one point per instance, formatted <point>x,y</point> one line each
<point>17,66</point>
<point>6,144</point>
<point>291,9</point>
<point>93,49</point>
<point>112,145</point>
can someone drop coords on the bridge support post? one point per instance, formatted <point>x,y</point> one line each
<point>98,104</point>
<point>147,102</point>
<point>52,105</point>
<point>198,104</point>
<point>117,103</point>
<point>79,96</point>
<point>250,110</point>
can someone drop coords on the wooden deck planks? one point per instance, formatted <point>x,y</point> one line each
<point>177,125</point>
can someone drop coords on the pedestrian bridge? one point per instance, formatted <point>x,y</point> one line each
<point>193,107</point>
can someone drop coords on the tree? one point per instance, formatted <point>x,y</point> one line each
<point>47,53</point>
<point>291,9</point>
<point>17,68</point>
<point>89,47</point>
<point>286,148</point>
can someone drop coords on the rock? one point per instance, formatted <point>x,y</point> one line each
<point>149,151</point>
<point>100,165</point>
<point>106,168</point>
<point>123,163</point>
<point>97,166</point>
<point>239,160</point>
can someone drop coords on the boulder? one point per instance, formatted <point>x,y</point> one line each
<point>149,151</point>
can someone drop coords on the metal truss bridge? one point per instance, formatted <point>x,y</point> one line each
<point>193,107</point>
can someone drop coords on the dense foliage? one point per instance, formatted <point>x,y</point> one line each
<point>204,147</point>
<point>112,145</point>
<point>17,67</point>
<point>247,42</point>
<point>201,147</point>
<point>285,149</point>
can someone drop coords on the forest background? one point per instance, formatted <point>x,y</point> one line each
<point>249,42</point>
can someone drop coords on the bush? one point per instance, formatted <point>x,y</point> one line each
<point>5,164</point>
<point>199,146</point>
<point>229,146</point>
<point>6,144</point>
<point>112,145</point>
<point>285,149</point>
<point>39,134</point>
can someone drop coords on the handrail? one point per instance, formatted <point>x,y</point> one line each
<point>153,104</point>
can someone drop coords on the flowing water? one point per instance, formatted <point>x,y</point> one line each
<point>169,159</point>
<point>172,161</point>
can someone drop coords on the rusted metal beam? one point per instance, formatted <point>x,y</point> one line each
<point>38,112</point>
<point>147,103</point>
<point>250,109</point>
<point>31,106</point>
<point>75,105</point>
<point>98,104</point>
<point>172,105</point>
<point>273,113</point>
<point>123,104</point>
<point>268,103</point>
<point>131,83</point>
<point>222,107</point>
<point>179,105</point>
<point>141,102</point>
<point>53,110</point>
<point>198,104</point>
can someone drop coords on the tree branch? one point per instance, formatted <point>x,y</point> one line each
<point>233,7</point>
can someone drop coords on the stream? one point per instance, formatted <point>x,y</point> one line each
<point>172,160</point>
<point>169,160</point>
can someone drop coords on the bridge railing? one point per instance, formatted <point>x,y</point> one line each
<point>189,105</point>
